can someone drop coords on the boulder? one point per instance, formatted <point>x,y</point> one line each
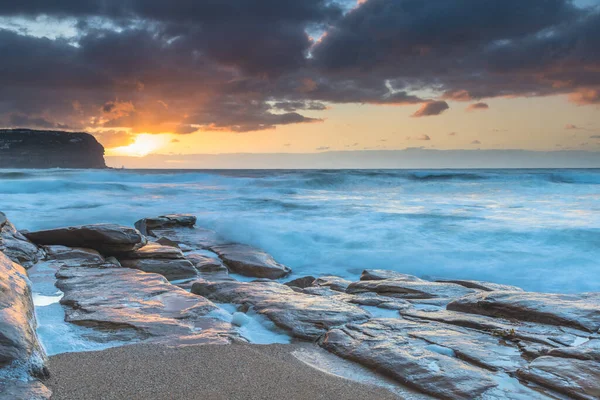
<point>148,225</point>
<point>16,246</point>
<point>205,263</point>
<point>142,305</point>
<point>172,269</point>
<point>580,311</point>
<point>302,283</point>
<point>250,261</point>
<point>73,253</point>
<point>189,237</point>
<point>481,285</point>
<point>18,338</point>
<point>154,251</point>
<point>21,355</point>
<point>384,345</point>
<point>108,239</point>
<point>305,316</point>
<point>380,274</point>
<point>578,379</point>
<point>409,289</point>
<point>333,282</point>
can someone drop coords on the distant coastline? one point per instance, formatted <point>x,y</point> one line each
<point>367,159</point>
<point>28,148</point>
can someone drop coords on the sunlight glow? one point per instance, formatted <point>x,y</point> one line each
<point>144,144</point>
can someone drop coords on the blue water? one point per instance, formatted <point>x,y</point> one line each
<point>538,229</point>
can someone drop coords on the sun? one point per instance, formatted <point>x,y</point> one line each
<point>143,145</point>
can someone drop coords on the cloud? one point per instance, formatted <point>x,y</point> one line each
<point>574,127</point>
<point>475,142</point>
<point>175,140</point>
<point>247,65</point>
<point>423,137</point>
<point>477,106</point>
<point>431,108</point>
<point>185,129</point>
<point>25,121</point>
<point>322,148</point>
<point>452,134</point>
<point>112,138</point>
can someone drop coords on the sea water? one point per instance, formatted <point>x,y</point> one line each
<point>537,229</point>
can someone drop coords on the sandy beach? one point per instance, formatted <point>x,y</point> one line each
<point>198,372</point>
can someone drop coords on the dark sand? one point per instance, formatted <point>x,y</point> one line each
<point>198,372</point>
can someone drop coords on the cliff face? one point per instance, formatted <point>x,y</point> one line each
<point>26,148</point>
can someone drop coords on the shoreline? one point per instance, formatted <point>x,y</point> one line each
<point>176,290</point>
<point>236,371</point>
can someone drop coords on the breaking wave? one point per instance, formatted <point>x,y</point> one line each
<point>537,229</point>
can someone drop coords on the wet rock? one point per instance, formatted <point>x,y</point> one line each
<point>21,355</point>
<point>581,311</point>
<point>141,305</point>
<point>380,274</point>
<point>113,260</point>
<point>374,300</point>
<point>17,389</point>
<point>589,350</point>
<point>190,238</point>
<point>154,250</point>
<point>69,253</point>
<point>205,263</point>
<point>547,335</point>
<point>148,225</point>
<point>333,282</point>
<point>167,242</point>
<point>305,316</point>
<point>250,261</point>
<point>171,269</point>
<point>532,350</point>
<point>577,379</point>
<point>363,299</point>
<point>476,348</point>
<point>480,285</point>
<point>16,246</point>
<point>409,289</point>
<point>302,283</point>
<point>18,338</point>
<point>108,239</point>
<point>385,346</point>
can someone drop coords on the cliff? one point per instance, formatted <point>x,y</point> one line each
<point>26,148</point>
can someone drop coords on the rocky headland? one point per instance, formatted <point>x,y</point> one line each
<point>164,283</point>
<point>26,148</point>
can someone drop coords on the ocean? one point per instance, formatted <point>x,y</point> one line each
<point>537,229</point>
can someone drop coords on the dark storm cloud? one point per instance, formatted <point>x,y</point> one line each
<point>244,65</point>
<point>431,108</point>
<point>18,120</point>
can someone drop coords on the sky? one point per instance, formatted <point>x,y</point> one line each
<point>287,76</point>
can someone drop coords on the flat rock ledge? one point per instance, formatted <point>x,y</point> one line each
<point>148,225</point>
<point>304,316</point>
<point>140,305</point>
<point>22,358</point>
<point>239,258</point>
<point>451,339</point>
<point>108,239</point>
<point>168,261</point>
